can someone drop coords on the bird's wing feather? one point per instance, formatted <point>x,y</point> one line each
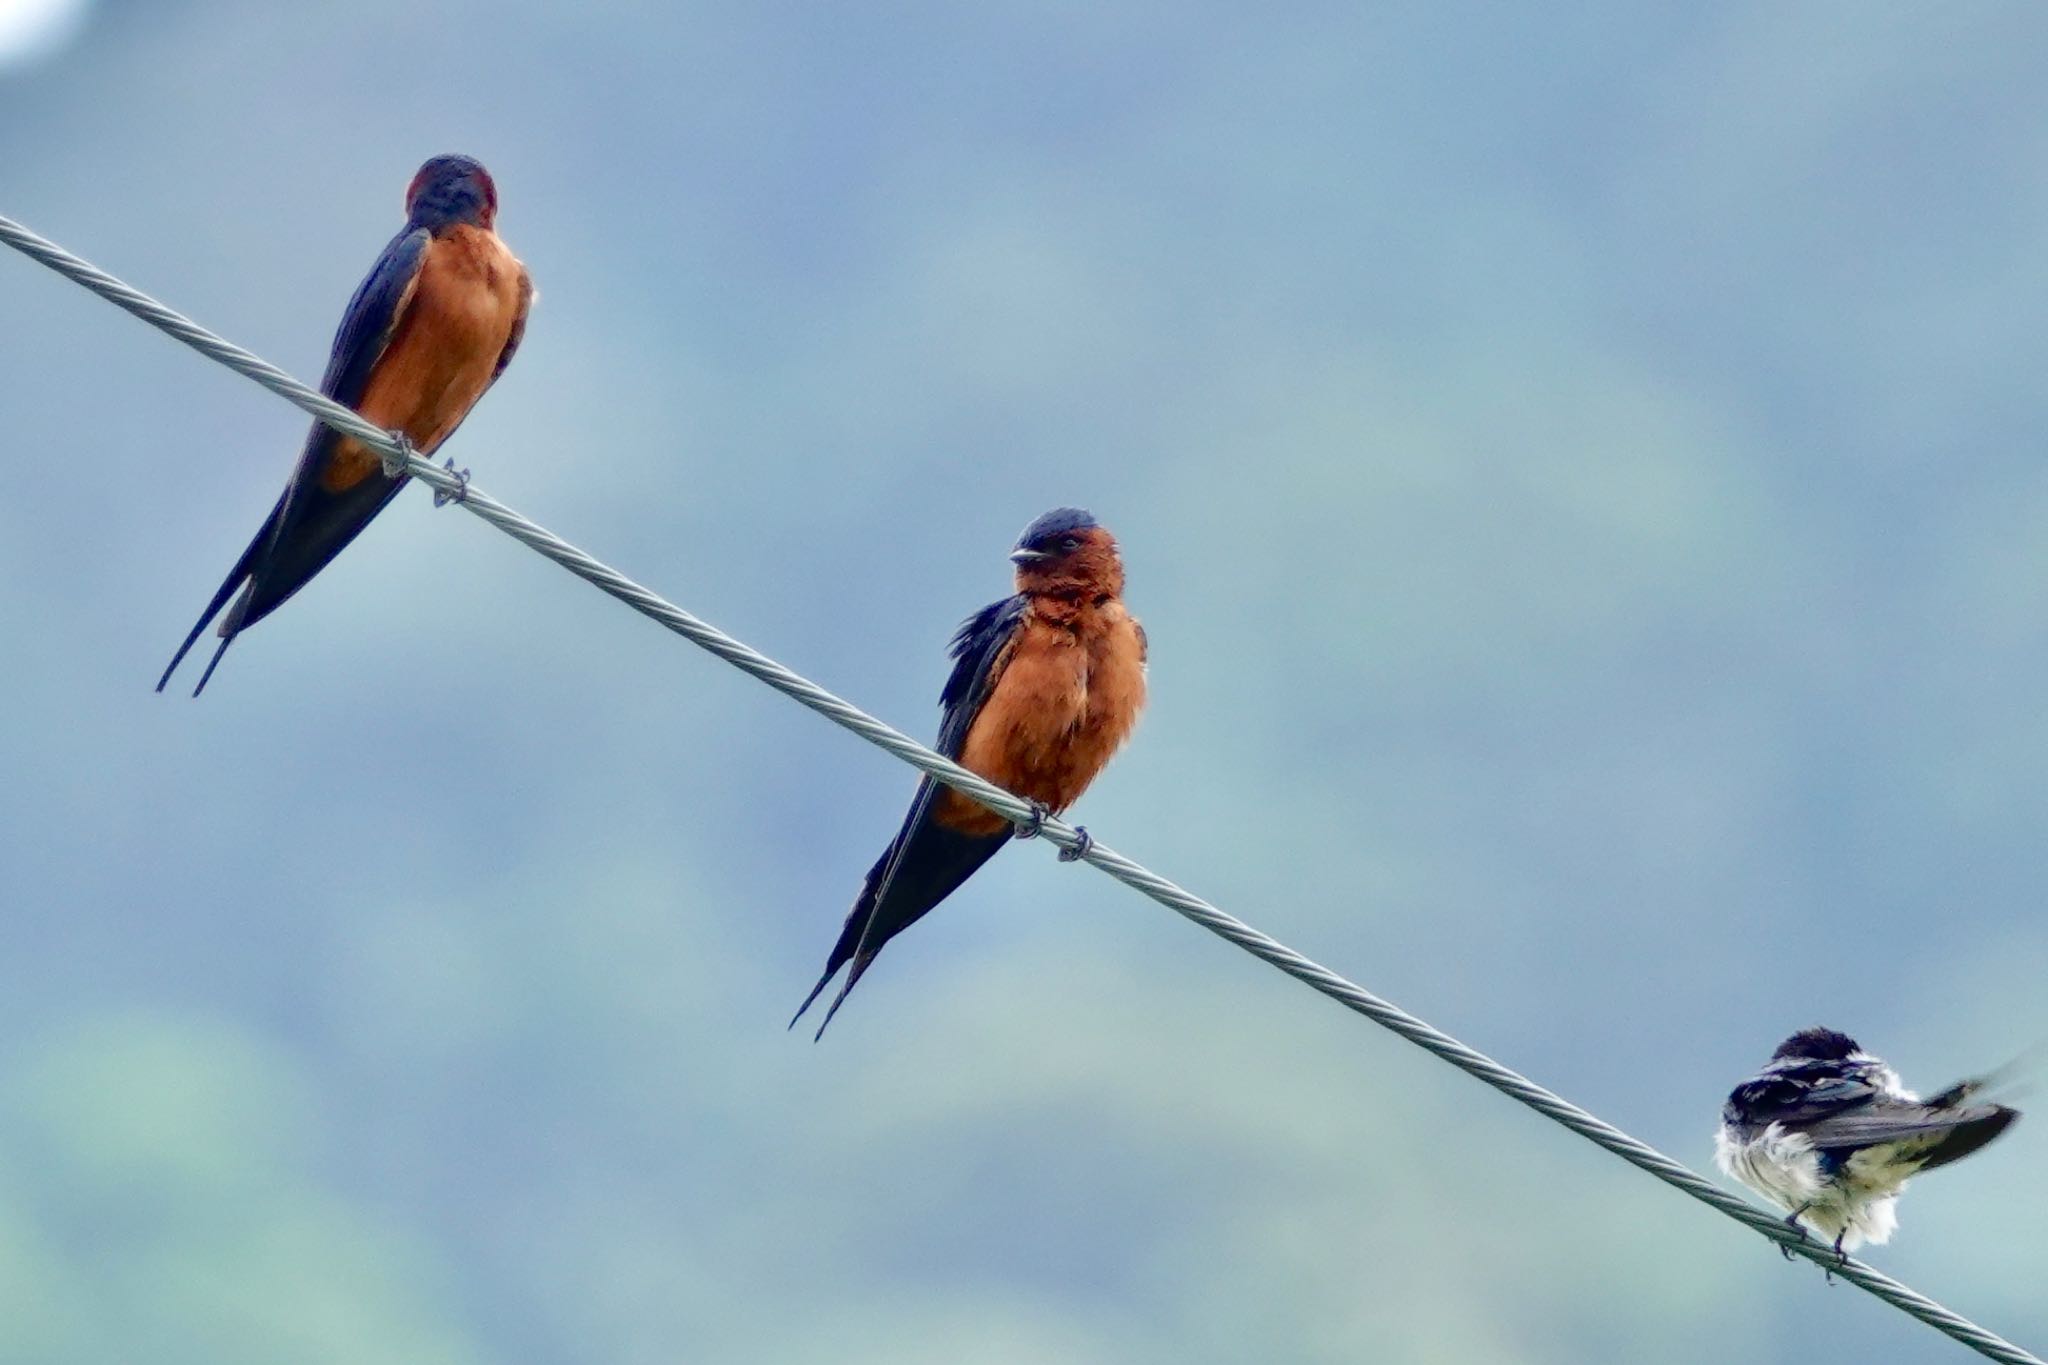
<point>979,650</point>
<point>1797,1103</point>
<point>518,333</point>
<point>926,861</point>
<point>315,523</point>
<point>373,315</point>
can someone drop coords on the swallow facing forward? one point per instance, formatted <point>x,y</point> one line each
<point>433,326</point>
<point>1826,1132</point>
<point>1046,685</point>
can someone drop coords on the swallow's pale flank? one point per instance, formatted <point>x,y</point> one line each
<point>1046,684</point>
<point>1826,1133</point>
<point>432,327</point>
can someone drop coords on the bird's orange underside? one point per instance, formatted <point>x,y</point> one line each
<point>454,325</point>
<point>1063,703</point>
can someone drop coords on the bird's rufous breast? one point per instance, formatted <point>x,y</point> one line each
<point>1068,697</point>
<point>458,317</point>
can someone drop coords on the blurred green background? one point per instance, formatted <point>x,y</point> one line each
<point>1581,471</point>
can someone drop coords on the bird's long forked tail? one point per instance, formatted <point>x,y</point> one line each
<point>851,946</point>
<point>236,581</point>
<point>183,650</point>
<point>925,863</point>
<point>812,998</point>
<point>842,951</point>
<point>220,599</point>
<point>853,974</point>
<point>227,638</point>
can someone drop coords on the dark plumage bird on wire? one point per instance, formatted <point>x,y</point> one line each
<point>1826,1132</point>
<point>432,327</point>
<point>1046,685</point>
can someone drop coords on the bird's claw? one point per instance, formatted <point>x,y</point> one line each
<point>444,496</point>
<point>1792,1222</point>
<point>398,461</point>
<point>1806,1238</point>
<point>1033,825</point>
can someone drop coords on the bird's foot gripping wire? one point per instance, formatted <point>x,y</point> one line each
<point>1034,825</point>
<point>398,462</point>
<point>1792,1222</point>
<point>444,496</point>
<point>1841,1256</point>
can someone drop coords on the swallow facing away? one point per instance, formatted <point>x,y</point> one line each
<point>1826,1132</point>
<point>433,326</point>
<point>1046,685</point>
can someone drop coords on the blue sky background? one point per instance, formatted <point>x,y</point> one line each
<point>1581,476</point>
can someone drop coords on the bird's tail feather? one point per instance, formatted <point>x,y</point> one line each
<point>236,580</point>
<point>220,599</point>
<point>924,864</point>
<point>850,934</point>
<point>816,991</point>
<point>227,637</point>
<point>860,965</point>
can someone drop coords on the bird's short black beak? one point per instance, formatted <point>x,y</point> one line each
<point>1020,555</point>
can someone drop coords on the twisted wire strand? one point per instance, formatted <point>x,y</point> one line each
<point>399,457</point>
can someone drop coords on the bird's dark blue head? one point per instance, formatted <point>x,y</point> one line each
<point>450,190</point>
<point>1066,553</point>
<point>1059,532</point>
<point>1818,1045</point>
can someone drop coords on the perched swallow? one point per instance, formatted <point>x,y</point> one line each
<point>1046,685</point>
<point>1826,1132</point>
<point>433,326</point>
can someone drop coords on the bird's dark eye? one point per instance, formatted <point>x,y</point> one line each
<point>1070,544</point>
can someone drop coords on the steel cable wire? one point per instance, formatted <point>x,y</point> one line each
<point>399,456</point>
